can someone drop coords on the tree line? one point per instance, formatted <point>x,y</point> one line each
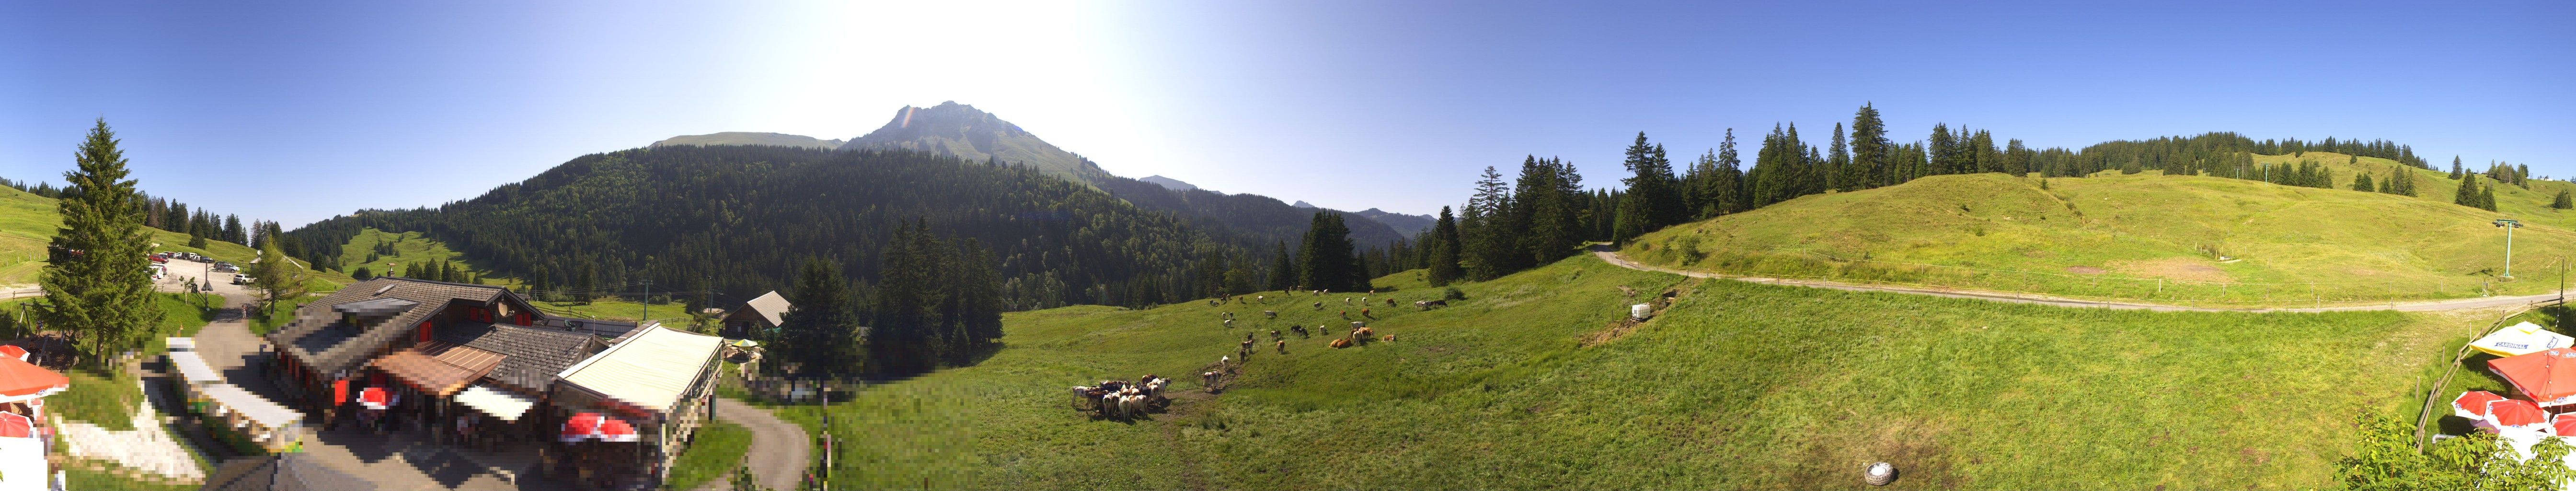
<point>1545,214</point>
<point>199,224</point>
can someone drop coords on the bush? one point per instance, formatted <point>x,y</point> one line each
<point>1452,293</point>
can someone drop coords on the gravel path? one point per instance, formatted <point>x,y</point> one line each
<point>779,449</point>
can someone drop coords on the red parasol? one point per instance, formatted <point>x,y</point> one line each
<point>581,426</point>
<point>13,351</point>
<point>20,381</point>
<point>14,426</point>
<point>2511,413</point>
<point>373,398</point>
<point>2563,425</point>
<point>616,430</point>
<point>2473,404</point>
<point>2546,377</point>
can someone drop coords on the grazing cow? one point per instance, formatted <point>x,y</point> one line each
<point>1364,313</point>
<point>1270,313</point>
<point>1390,338</point>
<point>1428,304</point>
<point>1274,335</point>
<point>1229,323</point>
<point>1082,395</point>
<point>1319,306</point>
<point>1228,315</point>
<point>1346,314</point>
<point>1346,300</point>
<point>1390,302</point>
<point>1261,298</point>
<point>1341,342</point>
<point>1364,300</point>
<point>1359,324</point>
<point>1132,405</point>
<point>1208,379</point>
<point>1221,361</point>
<point>1246,349</point>
<point>1300,330</point>
<point>1283,347</point>
<point>1247,336</point>
<point>1211,302</point>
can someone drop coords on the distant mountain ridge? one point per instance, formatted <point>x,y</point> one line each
<point>1169,183</point>
<point>1407,224</point>
<point>751,138</point>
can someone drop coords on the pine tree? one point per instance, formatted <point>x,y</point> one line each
<point>1444,250</point>
<point>98,285</point>
<point>821,334</point>
<point>1326,260</point>
<point>2455,167</point>
<point>1838,164</point>
<point>2467,195</point>
<point>1870,149</point>
<point>2362,183</point>
<point>1485,246</point>
<point>276,277</point>
<point>1654,197</point>
<point>1283,267</point>
<point>2486,198</point>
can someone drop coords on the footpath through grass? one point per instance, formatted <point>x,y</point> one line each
<point>1737,386</point>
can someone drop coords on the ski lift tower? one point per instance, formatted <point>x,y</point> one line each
<point>2508,225</point>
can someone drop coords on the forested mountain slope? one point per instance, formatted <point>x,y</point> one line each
<point>974,135</point>
<point>748,215</point>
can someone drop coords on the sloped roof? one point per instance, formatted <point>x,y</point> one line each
<point>439,368</point>
<point>652,369</point>
<point>322,342</point>
<point>771,307</point>
<point>291,471</point>
<point>535,354</point>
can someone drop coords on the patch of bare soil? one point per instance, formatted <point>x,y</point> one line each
<point>2084,270</point>
<point>1628,325</point>
<point>1921,458</point>
<point>2174,268</point>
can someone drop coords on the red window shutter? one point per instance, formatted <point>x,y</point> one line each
<point>424,331</point>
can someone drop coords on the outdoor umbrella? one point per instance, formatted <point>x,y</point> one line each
<point>581,427</point>
<point>2516,414</point>
<point>14,426</point>
<point>2547,377</point>
<point>2473,404</point>
<point>13,351</point>
<point>616,430</point>
<point>373,398</point>
<point>2521,339</point>
<point>2563,425</point>
<point>20,381</point>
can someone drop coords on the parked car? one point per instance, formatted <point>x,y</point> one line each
<point>204,259</point>
<point>225,267</point>
<point>243,279</point>
<point>157,259</point>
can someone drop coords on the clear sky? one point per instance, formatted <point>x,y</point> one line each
<point>296,112</point>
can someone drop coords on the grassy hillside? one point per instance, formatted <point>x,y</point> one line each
<point>1736,386</point>
<point>28,222</point>
<point>2144,236</point>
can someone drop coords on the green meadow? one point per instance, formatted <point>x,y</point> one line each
<point>28,222</point>
<point>2191,240</point>
<point>1527,384</point>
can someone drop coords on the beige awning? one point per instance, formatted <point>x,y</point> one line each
<point>499,403</point>
<point>651,369</point>
<point>193,368</point>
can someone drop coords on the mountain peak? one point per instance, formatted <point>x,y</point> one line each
<point>1168,183</point>
<point>965,132</point>
<point>1303,204</point>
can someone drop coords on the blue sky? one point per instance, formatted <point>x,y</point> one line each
<point>296,112</point>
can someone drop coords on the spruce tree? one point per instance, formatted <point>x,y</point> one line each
<point>1838,164</point>
<point>1283,267</point>
<point>1444,250</point>
<point>1326,259</point>
<point>2486,198</point>
<point>1870,149</point>
<point>2362,183</point>
<point>2455,167</point>
<point>1484,243</point>
<point>2564,201</point>
<point>2467,194</point>
<point>99,286</point>
<point>821,334</point>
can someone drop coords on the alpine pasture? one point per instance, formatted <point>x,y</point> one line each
<point>2188,240</point>
<point>1526,384</point>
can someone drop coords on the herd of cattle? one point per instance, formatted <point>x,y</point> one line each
<point>1119,399</point>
